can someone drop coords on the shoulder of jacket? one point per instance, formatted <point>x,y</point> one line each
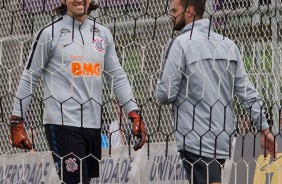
<point>97,25</point>
<point>179,40</point>
<point>103,29</point>
<point>51,28</point>
<point>183,38</point>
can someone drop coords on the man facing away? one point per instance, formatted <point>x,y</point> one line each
<point>202,71</point>
<point>71,54</point>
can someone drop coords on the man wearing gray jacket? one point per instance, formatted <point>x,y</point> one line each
<point>202,71</point>
<point>72,54</point>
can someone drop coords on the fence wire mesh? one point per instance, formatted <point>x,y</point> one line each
<point>141,29</point>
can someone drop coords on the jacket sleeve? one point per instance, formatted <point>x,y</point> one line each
<point>169,83</point>
<point>118,78</point>
<point>249,96</point>
<point>37,60</point>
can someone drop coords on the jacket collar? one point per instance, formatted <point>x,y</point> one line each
<point>202,25</point>
<point>72,22</point>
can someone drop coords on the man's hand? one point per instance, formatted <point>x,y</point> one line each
<point>19,137</point>
<point>138,129</point>
<point>268,143</point>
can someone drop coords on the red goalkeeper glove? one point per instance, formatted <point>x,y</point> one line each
<point>19,137</point>
<point>138,129</point>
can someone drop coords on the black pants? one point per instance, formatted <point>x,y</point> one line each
<point>201,167</point>
<point>73,146</point>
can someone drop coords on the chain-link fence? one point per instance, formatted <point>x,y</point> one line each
<point>141,29</point>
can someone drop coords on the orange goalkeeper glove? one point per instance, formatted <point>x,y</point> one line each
<point>18,136</point>
<point>138,129</point>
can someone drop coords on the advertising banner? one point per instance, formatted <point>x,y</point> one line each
<point>125,166</point>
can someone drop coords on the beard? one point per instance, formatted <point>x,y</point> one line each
<point>180,24</point>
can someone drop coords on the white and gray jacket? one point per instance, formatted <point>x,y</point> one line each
<point>202,72</point>
<point>73,57</point>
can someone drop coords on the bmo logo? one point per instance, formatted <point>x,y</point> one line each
<point>85,68</point>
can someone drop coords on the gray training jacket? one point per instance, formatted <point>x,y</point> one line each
<point>73,57</point>
<point>200,77</point>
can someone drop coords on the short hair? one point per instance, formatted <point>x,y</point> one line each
<point>62,9</point>
<point>199,6</point>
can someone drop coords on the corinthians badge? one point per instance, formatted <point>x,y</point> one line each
<point>99,44</point>
<point>71,165</point>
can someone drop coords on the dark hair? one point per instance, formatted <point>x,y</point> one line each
<point>199,6</point>
<point>62,9</point>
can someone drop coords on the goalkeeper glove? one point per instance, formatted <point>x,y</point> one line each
<point>18,136</point>
<point>138,129</point>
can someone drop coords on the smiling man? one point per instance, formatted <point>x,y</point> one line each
<point>72,54</point>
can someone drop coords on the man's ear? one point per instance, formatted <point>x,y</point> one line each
<point>191,11</point>
<point>63,1</point>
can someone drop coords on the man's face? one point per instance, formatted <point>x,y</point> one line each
<point>178,15</point>
<point>77,8</point>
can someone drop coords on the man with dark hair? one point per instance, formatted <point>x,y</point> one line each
<point>71,53</point>
<point>202,71</point>
<point>199,6</point>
